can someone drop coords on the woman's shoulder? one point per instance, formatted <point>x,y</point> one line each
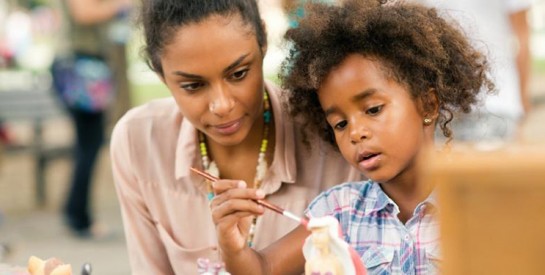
<point>163,111</point>
<point>157,108</point>
<point>159,116</point>
<point>272,87</point>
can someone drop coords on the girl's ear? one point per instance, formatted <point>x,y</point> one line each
<point>429,104</point>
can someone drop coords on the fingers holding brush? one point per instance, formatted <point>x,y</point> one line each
<point>233,208</point>
<point>233,200</point>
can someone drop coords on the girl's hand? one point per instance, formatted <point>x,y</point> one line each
<point>233,208</point>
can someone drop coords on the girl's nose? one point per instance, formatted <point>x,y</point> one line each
<point>358,132</point>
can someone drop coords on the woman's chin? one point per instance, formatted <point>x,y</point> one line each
<point>231,139</point>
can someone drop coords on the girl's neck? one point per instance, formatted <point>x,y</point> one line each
<point>407,192</point>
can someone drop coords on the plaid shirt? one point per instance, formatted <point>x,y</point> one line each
<point>369,222</point>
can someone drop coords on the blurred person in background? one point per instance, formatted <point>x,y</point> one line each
<point>5,136</point>
<point>6,61</point>
<point>87,30</point>
<point>500,27</point>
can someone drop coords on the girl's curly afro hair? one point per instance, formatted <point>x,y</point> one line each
<point>417,48</point>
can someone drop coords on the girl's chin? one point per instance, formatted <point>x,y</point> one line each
<point>377,178</point>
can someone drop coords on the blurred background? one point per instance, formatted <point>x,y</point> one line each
<point>36,134</point>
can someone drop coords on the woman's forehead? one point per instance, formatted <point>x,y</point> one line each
<point>209,47</point>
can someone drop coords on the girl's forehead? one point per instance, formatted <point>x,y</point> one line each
<point>367,69</point>
<point>359,79</point>
<point>352,67</point>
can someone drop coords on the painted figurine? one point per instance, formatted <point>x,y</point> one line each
<point>326,253</point>
<point>206,267</point>
<point>51,266</point>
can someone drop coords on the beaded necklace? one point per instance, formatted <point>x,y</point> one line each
<point>261,169</point>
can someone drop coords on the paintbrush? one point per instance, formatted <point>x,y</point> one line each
<point>266,204</point>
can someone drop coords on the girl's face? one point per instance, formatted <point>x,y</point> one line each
<point>213,69</point>
<point>377,124</point>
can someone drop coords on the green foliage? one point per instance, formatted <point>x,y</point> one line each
<point>143,93</point>
<point>538,65</point>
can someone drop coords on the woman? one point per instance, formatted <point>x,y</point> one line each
<point>224,118</point>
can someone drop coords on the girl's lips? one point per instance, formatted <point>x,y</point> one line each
<point>369,162</point>
<point>228,128</point>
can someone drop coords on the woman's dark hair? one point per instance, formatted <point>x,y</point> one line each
<point>161,19</point>
<point>415,46</point>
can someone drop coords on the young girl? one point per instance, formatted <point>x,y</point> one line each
<point>222,117</point>
<point>374,79</point>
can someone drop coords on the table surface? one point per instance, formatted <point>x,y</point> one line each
<point>12,270</point>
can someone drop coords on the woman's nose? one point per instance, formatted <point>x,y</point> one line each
<point>221,102</point>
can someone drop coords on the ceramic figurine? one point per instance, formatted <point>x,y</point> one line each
<point>206,267</point>
<point>325,252</point>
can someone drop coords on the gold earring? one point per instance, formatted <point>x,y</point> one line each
<point>427,121</point>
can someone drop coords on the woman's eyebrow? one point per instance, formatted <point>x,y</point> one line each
<point>228,68</point>
<point>235,63</point>
<point>188,75</point>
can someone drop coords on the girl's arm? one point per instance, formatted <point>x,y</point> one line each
<point>285,256</point>
<point>232,211</point>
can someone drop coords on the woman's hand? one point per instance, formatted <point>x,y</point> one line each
<point>233,208</point>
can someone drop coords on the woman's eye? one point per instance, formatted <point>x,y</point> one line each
<point>239,75</point>
<point>374,110</point>
<point>191,87</point>
<point>340,125</point>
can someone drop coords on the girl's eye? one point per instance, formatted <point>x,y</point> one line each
<point>191,87</point>
<point>374,110</point>
<point>340,125</point>
<point>239,75</point>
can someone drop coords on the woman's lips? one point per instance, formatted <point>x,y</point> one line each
<point>229,127</point>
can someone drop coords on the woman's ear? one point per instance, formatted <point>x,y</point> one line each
<point>161,77</point>
<point>265,45</point>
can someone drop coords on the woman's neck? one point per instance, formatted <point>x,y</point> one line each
<point>239,161</point>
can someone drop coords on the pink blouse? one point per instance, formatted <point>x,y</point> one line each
<point>166,217</point>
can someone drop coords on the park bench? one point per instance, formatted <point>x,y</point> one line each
<point>28,96</point>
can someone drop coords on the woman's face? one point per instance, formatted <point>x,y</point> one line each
<point>213,69</point>
<point>377,124</point>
